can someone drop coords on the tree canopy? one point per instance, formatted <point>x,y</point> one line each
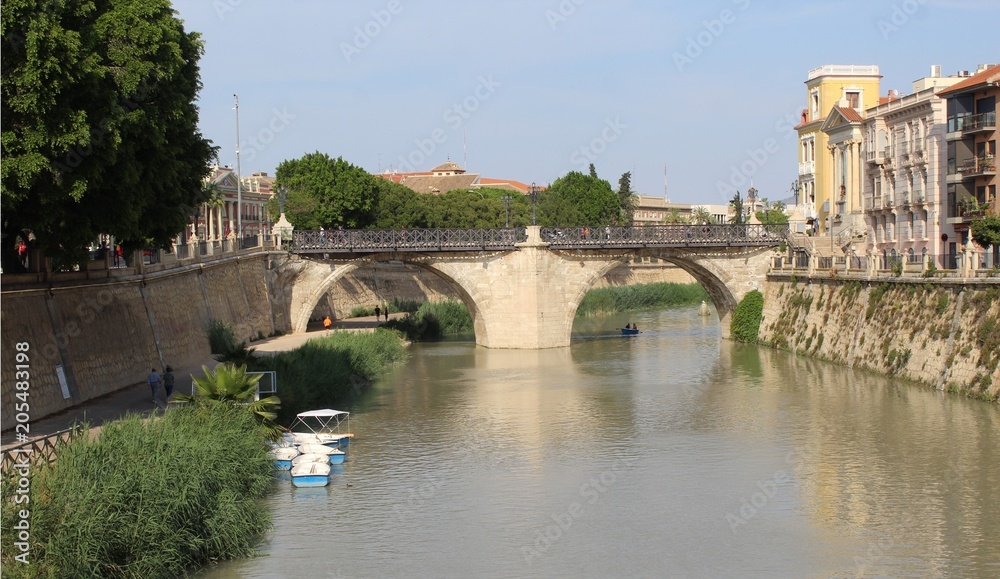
<point>327,192</point>
<point>986,230</point>
<point>100,128</point>
<point>578,199</point>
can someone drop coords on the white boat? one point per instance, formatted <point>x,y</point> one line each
<point>311,474</point>
<point>335,456</point>
<point>323,427</point>
<point>282,456</point>
<point>305,458</point>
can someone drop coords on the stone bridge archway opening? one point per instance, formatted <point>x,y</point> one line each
<point>333,272</point>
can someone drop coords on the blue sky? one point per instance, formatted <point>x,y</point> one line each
<point>530,90</point>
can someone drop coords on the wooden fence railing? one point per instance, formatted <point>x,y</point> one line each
<point>37,450</point>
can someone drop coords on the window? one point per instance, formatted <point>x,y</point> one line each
<point>853,99</point>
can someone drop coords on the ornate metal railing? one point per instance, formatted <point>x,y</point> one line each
<point>377,240</point>
<point>676,235</point>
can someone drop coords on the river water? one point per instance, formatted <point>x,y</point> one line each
<point>673,453</point>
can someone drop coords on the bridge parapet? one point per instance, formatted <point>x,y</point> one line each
<point>672,235</point>
<point>360,241</point>
<point>355,241</point>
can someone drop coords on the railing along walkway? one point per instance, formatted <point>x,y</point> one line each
<point>377,240</point>
<point>34,451</point>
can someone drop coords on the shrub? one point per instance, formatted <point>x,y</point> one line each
<point>615,299</point>
<point>147,498</point>
<point>746,319</point>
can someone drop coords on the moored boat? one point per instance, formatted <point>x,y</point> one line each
<point>311,474</point>
<point>629,331</point>
<point>334,455</point>
<point>323,427</point>
<point>283,456</point>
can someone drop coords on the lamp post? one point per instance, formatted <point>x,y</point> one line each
<point>239,179</point>
<point>534,194</point>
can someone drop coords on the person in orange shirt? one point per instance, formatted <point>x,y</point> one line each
<point>327,322</point>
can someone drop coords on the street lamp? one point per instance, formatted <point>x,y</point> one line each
<point>239,179</point>
<point>534,194</point>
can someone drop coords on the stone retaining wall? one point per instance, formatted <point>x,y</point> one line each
<point>944,334</point>
<point>106,336</point>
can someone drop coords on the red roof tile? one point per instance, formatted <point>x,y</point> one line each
<point>991,74</point>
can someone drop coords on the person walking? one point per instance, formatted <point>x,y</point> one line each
<point>154,381</point>
<point>327,322</point>
<point>378,312</point>
<point>385,310</point>
<point>168,382</point>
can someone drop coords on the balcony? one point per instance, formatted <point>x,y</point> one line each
<point>875,157</point>
<point>888,157</point>
<point>978,167</point>
<point>807,168</point>
<point>981,123</point>
<point>918,197</point>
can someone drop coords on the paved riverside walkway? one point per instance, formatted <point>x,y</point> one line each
<point>135,399</point>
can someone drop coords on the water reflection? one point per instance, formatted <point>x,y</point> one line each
<point>673,453</point>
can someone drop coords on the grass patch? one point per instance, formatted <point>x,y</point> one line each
<point>146,498</point>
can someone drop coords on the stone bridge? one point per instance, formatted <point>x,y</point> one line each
<point>523,286</point>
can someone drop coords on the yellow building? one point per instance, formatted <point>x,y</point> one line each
<point>849,87</point>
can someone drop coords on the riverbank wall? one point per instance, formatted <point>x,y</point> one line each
<point>83,340</point>
<point>941,333</point>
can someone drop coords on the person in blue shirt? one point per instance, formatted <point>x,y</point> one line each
<point>154,381</point>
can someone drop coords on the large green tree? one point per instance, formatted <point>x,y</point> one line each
<point>99,124</point>
<point>578,199</point>
<point>986,230</point>
<point>334,192</point>
<point>627,199</point>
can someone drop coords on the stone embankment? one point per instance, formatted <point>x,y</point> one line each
<point>942,333</point>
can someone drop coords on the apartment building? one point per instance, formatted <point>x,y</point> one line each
<point>829,88</point>
<point>971,181</point>
<point>903,192</point>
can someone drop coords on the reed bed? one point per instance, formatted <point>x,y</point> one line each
<point>146,498</point>
<point>617,299</point>
<point>324,371</point>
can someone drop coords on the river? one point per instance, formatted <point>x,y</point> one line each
<point>673,453</point>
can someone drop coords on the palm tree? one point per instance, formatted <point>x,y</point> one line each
<point>701,216</point>
<point>230,384</point>
<point>674,216</point>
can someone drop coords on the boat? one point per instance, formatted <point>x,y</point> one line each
<point>334,455</point>
<point>323,427</point>
<point>282,456</point>
<point>629,331</point>
<point>306,458</point>
<point>311,474</point>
